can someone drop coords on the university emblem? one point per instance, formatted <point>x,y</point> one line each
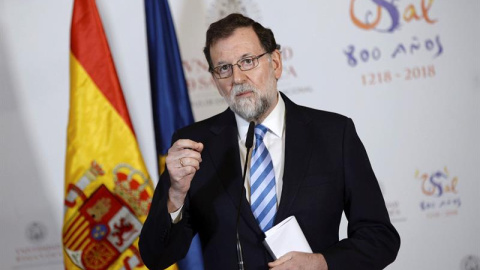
<point>221,8</point>
<point>106,223</point>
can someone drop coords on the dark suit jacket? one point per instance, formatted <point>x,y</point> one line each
<point>326,172</point>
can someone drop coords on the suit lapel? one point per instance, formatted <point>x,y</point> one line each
<point>297,156</point>
<point>226,159</point>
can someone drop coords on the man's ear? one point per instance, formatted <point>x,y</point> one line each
<point>277,63</point>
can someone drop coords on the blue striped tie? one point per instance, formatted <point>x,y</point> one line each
<point>262,180</point>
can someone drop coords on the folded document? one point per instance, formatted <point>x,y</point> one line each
<point>285,237</point>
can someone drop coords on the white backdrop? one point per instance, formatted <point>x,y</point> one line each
<point>412,89</point>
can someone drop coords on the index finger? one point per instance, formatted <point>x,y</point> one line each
<point>187,144</point>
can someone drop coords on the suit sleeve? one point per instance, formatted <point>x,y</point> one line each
<point>163,243</point>
<point>372,241</point>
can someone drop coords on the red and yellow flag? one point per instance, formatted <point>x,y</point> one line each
<point>107,187</point>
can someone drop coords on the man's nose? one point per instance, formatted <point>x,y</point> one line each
<point>239,76</point>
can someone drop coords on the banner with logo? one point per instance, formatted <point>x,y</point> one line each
<point>406,72</point>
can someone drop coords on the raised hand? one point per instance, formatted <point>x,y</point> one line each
<point>183,161</point>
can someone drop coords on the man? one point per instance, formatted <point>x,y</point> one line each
<point>316,165</point>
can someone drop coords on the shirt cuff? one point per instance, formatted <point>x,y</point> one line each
<point>177,215</point>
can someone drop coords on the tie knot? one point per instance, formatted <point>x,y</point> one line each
<point>260,132</point>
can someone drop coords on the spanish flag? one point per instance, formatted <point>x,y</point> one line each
<point>107,187</point>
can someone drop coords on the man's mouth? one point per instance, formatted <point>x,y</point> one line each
<point>244,93</point>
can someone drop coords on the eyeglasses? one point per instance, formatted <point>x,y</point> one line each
<point>247,63</point>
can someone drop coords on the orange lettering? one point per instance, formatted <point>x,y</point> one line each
<point>454,185</point>
<point>425,190</point>
<point>366,26</point>
<point>426,9</point>
<point>410,13</point>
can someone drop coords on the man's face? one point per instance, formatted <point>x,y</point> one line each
<point>252,94</point>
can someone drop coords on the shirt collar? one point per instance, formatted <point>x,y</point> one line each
<point>275,121</point>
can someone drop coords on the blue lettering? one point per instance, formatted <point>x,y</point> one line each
<point>350,58</point>
<point>437,175</point>
<point>392,11</point>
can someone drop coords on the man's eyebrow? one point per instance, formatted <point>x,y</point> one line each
<point>220,63</point>
<point>245,55</point>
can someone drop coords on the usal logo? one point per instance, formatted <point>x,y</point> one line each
<point>440,193</point>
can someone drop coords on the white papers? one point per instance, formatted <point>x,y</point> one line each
<point>285,237</point>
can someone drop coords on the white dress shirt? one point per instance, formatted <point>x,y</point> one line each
<point>274,140</point>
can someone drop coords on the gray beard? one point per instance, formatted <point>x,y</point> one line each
<point>252,108</point>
